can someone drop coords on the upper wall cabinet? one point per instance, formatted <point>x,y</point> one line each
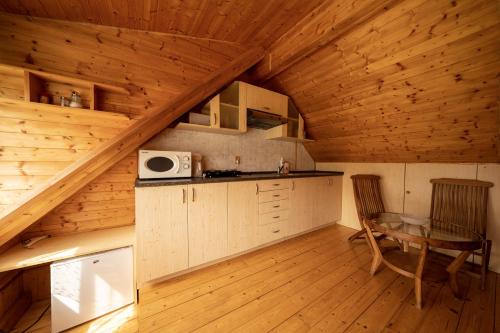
<point>292,130</point>
<point>266,100</point>
<point>225,113</point>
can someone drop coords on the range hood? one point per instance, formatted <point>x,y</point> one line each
<point>263,120</point>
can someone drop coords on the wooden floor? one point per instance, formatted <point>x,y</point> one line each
<point>316,282</point>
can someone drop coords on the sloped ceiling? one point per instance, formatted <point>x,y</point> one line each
<point>243,21</point>
<point>418,82</point>
<point>376,80</point>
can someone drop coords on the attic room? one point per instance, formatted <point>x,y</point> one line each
<point>250,166</point>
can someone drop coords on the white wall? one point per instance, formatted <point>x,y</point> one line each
<point>219,151</point>
<point>406,188</point>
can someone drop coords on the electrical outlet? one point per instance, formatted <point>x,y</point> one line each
<point>237,160</point>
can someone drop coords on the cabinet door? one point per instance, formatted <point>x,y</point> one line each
<point>301,205</point>
<point>331,200</point>
<point>327,200</point>
<point>266,100</point>
<point>161,229</point>
<point>207,222</point>
<point>243,216</point>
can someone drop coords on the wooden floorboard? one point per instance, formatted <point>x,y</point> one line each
<point>317,282</point>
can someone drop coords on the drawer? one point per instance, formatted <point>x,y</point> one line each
<point>273,195</point>
<point>271,232</point>
<point>273,217</point>
<point>271,185</point>
<point>273,206</point>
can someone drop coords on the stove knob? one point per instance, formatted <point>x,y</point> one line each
<point>186,158</point>
<point>186,166</point>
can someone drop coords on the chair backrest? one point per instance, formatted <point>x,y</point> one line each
<point>367,196</point>
<point>461,202</point>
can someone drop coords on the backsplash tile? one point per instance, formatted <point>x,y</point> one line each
<point>219,151</point>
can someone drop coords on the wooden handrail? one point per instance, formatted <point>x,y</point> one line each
<point>42,200</point>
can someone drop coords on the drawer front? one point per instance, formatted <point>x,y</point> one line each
<point>275,195</point>
<point>273,217</point>
<point>271,232</point>
<point>273,206</point>
<point>271,185</point>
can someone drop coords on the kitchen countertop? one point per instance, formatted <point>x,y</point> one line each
<point>246,176</point>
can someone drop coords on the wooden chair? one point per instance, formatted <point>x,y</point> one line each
<point>463,202</point>
<point>368,199</point>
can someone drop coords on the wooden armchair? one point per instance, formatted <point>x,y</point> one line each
<point>368,199</point>
<point>463,202</point>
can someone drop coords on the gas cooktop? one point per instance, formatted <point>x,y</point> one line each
<point>221,173</point>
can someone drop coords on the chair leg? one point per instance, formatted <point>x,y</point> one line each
<point>485,261</point>
<point>357,235</point>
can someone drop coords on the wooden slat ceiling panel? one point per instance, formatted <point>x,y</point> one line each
<point>153,66</point>
<point>249,22</point>
<point>419,82</point>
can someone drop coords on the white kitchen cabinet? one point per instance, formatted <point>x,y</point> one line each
<point>301,205</point>
<point>207,222</point>
<point>243,216</point>
<point>180,227</point>
<point>327,200</point>
<point>162,231</point>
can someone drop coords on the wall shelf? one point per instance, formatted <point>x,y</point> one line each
<point>93,94</point>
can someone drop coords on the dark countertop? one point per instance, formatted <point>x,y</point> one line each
<point>246,176</point>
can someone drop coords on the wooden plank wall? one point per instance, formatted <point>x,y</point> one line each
<point>154,66</point>
<point>37,141</point>
<point>417,83</point>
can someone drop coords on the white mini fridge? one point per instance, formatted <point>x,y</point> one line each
<point>88,287</point>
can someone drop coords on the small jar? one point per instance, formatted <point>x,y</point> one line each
<point>76,100</point>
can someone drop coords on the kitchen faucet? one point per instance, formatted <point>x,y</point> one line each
<point>281,165</point>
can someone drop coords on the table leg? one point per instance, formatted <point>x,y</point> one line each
<point>453,269</point>
<point>418,275</point>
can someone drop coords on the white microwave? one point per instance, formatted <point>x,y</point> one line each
<point>164,164</point>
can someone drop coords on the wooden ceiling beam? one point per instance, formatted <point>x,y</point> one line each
<point>77,175</point>
<point>325,24</point>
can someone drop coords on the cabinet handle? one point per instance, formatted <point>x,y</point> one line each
<point>183,195</point>
<point>276,217</point>
<point>256,188</point>
<point>277,206</point>
<point>215,119</point>
<point>193,192</point>
<point>276,231</point>
<point>266,107</point>
<point>293,185</point>
<point>276,195</point>
<point>276,184</point>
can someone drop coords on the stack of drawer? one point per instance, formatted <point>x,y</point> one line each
<point>273,209</point>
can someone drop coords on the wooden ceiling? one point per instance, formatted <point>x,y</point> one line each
<point>418,82</point>
<point>376,80</point>
<point>243,21</point>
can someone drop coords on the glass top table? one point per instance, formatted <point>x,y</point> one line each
<point>437,234</point>
<point>425,234</point>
